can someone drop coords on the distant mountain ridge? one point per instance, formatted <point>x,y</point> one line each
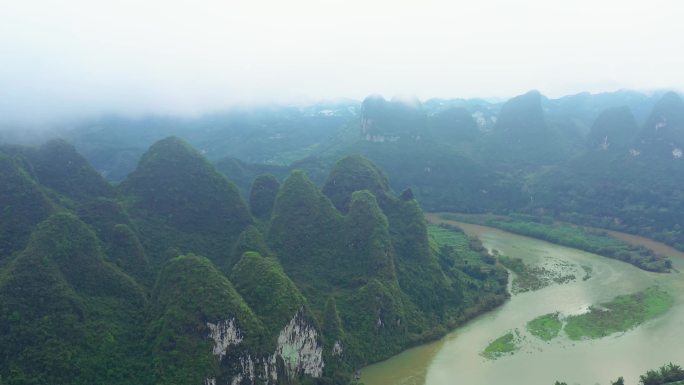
<point>466,155</point>
<point>153,280</point>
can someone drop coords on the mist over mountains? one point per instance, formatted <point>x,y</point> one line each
<point>170,223</point>
<point>285,193</point>
<point>530,153</point>
<point>282,127</point>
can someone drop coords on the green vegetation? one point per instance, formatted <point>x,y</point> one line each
<point>469,248</point>
<point>482,283</point>
<point>251,239</point>
<point>68,316</point>
<point>545,327</point>
<point>304,232</point>
<point>86,268</point>
<point>128,254</point>
<point>262,196</point>
<point>168,279</point>
<point>376,258</point>
<point>502,346</point>
<point>354,173</point>
<point>23,203</point>
<point>59,167</point>
<point>245,174</point>
<point>669,374</point>
<point>633,185</point>
<point>531,278</point>
<point>619,315</point>
<point>111,284</point>
<point>587,272</point>
<point>190,292</point>
<point>180,201</point>
<point>368,235</point>
<point>593,241</point>
<point>603,160</point>
<point>522,137</point>
<point>267,290</point>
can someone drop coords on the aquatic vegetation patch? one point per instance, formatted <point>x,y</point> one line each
<point>587,272</point>
<point>507,344</point>
<point>531,278</point>
<point>669,374</point>
<point>545,327</point>
<point>619,315</point>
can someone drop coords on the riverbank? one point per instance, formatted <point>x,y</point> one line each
<point>456,357</point>
<point>592,240</point>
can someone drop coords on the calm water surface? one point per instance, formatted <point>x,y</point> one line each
<point>455,359</point>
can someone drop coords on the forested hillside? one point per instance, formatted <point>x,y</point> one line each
<point>628,179</point>
<point>152,279</point>
<point>171,277</point>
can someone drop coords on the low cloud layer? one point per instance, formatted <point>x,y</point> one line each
<point>70,58</point>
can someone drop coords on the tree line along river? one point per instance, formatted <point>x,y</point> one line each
<point>456,358</point>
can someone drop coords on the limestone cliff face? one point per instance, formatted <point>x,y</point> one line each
<point>298,352</point>
<point>224,333</point>
<point>300,348</point>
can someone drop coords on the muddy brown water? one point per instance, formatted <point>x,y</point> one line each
<point>455,359</point>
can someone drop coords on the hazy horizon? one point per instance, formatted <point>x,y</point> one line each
<point>73,59</point>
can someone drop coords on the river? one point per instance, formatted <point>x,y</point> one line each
<point>455,359</point>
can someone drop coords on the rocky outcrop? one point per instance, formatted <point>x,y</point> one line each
<point>379,138</point>
<point>299,347</point>
<point>337,349</point>
<point>224,333</point>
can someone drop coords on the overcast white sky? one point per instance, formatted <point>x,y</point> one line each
<point>59,58</point>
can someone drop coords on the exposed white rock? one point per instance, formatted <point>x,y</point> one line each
<point>300,348</point>
<point>326,113</point>
<point>270,368</point>
<point>605,143</point>
<point>479,118</point>
<point>247,365</point>
<point>380,138</point>
<point>224,333</point>
<point>298,345</point>
<point>257,370</point>
<point>337,349</point>
<point>366,124</point>
<point>236,380</point>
